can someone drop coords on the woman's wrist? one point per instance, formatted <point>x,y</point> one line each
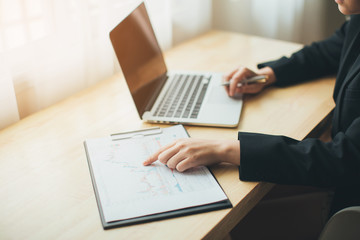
<point>229,151</point>
<point>270,73</point>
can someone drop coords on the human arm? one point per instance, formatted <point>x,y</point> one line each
<point>310,161</point>
<point>271,158</point>
<point>239,74</point>
<point>313,61</point>
<point>283,160</point>
<point>185,154</point>
<point>188,153</point>
<point>316,60</point>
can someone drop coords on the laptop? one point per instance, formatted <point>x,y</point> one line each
<point>162,96</point>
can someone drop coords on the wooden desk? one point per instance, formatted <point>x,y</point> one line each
<point>45,186</point>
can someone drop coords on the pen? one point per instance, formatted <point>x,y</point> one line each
<point>255,79</point>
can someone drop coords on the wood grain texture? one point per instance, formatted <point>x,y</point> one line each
<point>45,185</point>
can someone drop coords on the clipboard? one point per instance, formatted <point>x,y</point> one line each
<point>132,137</point>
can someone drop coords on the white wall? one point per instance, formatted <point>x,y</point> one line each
<point>190,18</point>
<point>8,104</point>
<point>300,21</point>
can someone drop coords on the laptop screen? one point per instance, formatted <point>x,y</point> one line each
<point>140,57</point>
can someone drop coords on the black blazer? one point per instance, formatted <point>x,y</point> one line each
<point>283,160</point>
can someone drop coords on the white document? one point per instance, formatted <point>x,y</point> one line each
<point>127,189</point>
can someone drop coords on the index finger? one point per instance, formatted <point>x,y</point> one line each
<point>154,157</point>
<point>236,78</point>
<point>239,76</point>
<point>227,77</point>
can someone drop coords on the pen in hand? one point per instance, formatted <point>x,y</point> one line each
<point>255,79</point>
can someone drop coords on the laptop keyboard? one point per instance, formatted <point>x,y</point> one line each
<point>184,97</point>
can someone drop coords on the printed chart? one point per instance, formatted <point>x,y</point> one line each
<point>128,189</point>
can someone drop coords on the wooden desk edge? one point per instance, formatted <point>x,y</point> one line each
<point>254,197</point>
<point>239,211</point>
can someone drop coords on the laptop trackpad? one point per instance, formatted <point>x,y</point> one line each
<point>218,95</point>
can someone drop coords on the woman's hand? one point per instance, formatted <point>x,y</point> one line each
<point>241,73</point>
<point>187,153</point>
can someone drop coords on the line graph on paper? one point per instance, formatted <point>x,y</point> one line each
<point>126,189</point>
<point>125,180</point>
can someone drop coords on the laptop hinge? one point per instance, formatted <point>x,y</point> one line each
<point>163,78</point>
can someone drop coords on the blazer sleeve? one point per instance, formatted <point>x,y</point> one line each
<point>283,160</point>
<point>314,61</point>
